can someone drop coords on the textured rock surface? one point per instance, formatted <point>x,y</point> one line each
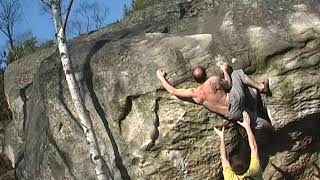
<point>143,132</point>
<point>6,170</point>
<point>5,113</point>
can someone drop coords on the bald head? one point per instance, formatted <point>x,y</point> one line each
<point>199,74</point>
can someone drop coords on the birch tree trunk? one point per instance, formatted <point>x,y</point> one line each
<point>82,112</point>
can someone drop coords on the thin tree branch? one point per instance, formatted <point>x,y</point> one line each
<point>46,3</point>
<point>9,15</point>
<point>4,32</point>
<point>67,16</point>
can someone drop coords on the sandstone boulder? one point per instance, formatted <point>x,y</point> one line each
<point>143,132</point>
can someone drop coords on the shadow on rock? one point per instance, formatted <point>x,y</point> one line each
<point>88,74</point>
<point>294,141</point>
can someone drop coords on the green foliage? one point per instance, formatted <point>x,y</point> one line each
<point>138,5</point>
<point>47,44</point>
<point>27,47</point>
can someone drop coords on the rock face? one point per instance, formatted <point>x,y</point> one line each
<point>6,170</point>
<point>143,132</point>
<point>4,111</point>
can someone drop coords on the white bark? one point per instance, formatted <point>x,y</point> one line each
<point>82,112</point>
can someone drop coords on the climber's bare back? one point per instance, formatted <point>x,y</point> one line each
<point>212,95</point>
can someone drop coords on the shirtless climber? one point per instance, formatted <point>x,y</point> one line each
<point>236,169</point>
<point>228,96</point>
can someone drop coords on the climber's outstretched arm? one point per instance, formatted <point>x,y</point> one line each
<point>172,90</point>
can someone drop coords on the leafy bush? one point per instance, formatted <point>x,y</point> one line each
<point>27,47</point>
<point>138,5</point>
<point>21,50</point>
<point>47,44</point>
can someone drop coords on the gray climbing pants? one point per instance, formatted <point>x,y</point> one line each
<point>243,98</point>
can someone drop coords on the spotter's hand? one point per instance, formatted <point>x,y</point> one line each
<point>219,132</point>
